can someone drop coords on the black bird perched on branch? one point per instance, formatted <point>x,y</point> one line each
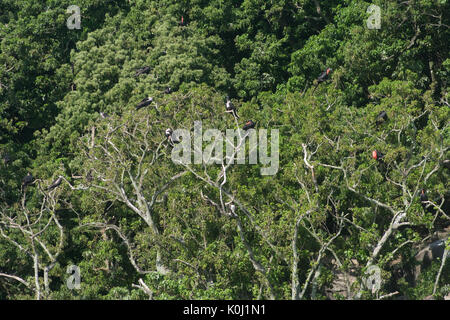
<point>108,206</point>
<point>6,158</point>
<point>381,118</point>
<point>438,248</point>
<point>55,183</point>
<point>423,197</point>
<point>143,70</point>
<point>231,108</point>
<point>167,90</point>
<point>27,180</point>
<point>89,176</point>
<point>249,125</point>
<point>145,102</point>
<point>323,77</point>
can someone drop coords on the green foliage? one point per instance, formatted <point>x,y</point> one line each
<point>125,214</point>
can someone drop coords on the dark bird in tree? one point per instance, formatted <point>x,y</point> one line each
<point>89,176</point>
<point>145,102</point>
<point>446,163</point>
<point>55,183</point>
<point>249,125</point>
<point>143,70</point>
<point>231,108</point>
<point>381,118</point>
<point>323,77</point>
<point>6,158</point>
<point>423,197</point>
<point>167,90</point>
<point>377,155</point>
<point>438,249</point>
<point>27,180</point>
<point>108,206</point>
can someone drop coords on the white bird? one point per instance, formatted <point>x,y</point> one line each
<point>169,137</point>
<point>231,108</point>
<point>233,208</point>
<point>104,115</point>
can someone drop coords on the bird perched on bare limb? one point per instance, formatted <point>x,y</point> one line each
<point>141,71</point>
<point>55,183</point>
<point>381,118</point>
<point>232,213</point>
<point>27,180</point>
<point>145,102</point>
<point>423,197</point>
<point>231,108</point>
<point>323,77</point>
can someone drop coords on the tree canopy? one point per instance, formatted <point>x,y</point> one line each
<point>137,224</point>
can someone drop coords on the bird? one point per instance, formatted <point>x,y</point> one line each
<point>446,163</point>
<point>377,155</point>
<point>381,118</point>
<point>6,158</point>
<point>231,108</point>
<point>232,209</point>
<point>438,249</point>
<point>168,132</point>
<point>169,137</point>
<point>89,176</point>
<point>182,23</point>
<point>249,125</point>
<point>143,70</point>
<point>108,206</point>
<point>167,90</point>
<point>322,77</point>
<point>104,115</point>
<point>145,102</point>
<point>423,197</point>
<point>28,179</point>
<point>55,183</point>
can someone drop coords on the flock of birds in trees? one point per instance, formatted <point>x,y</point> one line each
<point>381,118</point>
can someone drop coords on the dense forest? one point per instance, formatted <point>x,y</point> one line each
<point>350,99</point>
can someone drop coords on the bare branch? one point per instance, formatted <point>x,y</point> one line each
<point>15,278</point>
